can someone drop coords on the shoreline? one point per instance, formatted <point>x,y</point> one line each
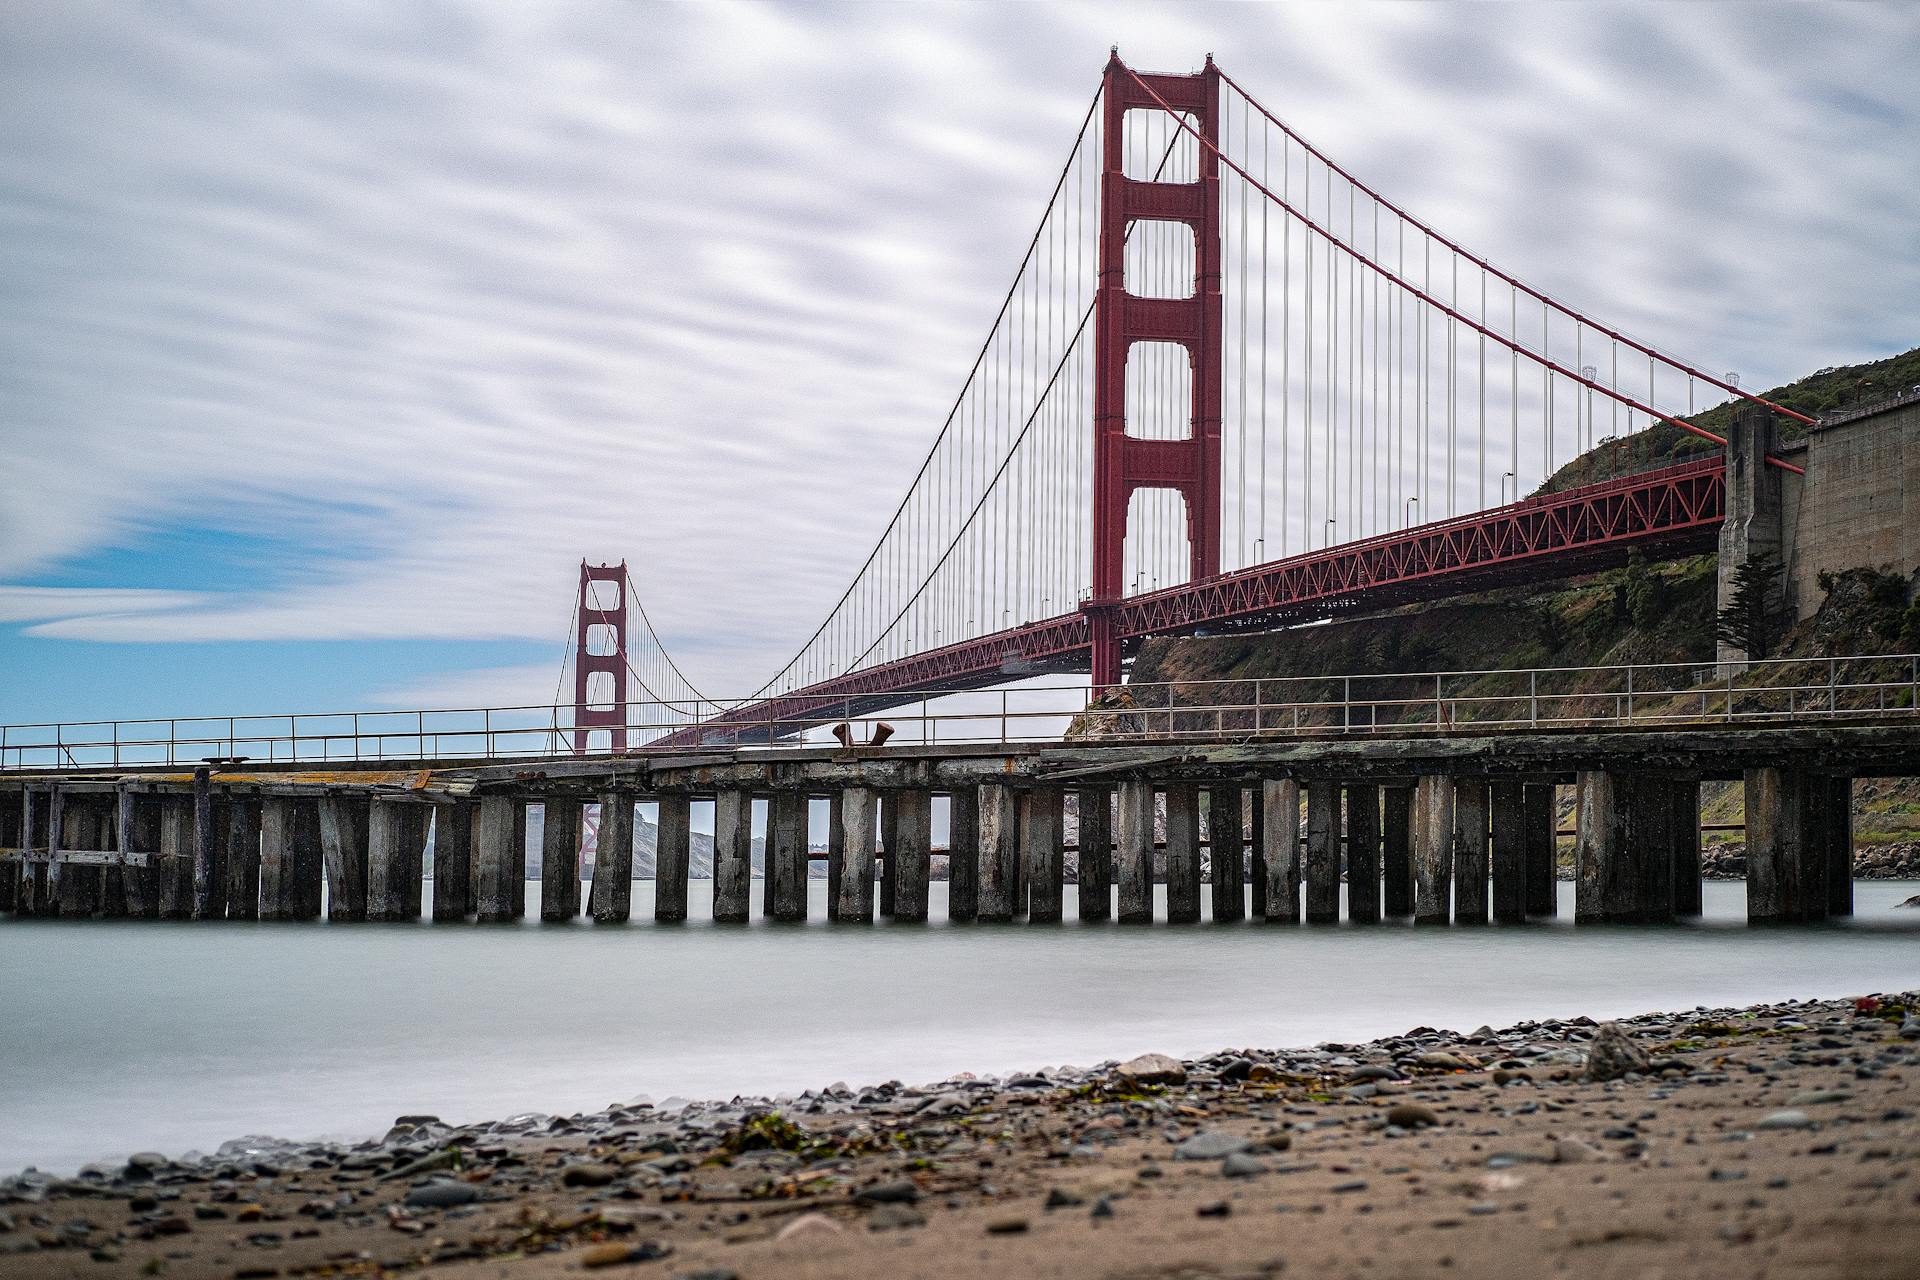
<point>1449,1135</point>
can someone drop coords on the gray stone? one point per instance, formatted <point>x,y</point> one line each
<point>1152,1068</point>
<point>588,1175</point>
<point>1613,1054</point>
<point>1411,1115</point>
<point>897,1191</point>
<point>1814,1097</point>
<point>1786,1120</point>
<point>442,1194</point>
<point>1211,1145</point>
<point>1241,1165</point>
<point>895,1217</point>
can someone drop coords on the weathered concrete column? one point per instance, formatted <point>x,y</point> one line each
<point>1539,833</point>
<point>209,850</point>
<point>1651,838</point>
<point>1280,848</point>
<point>1432,826</point>
<point>672,858</point>
<point>344,836</point>
<point>1836,824</point>
<point>278,893</point>
<point>1686,847</point>
<point>889,868</point>
<point>1134,851</point>
<point>1753,527</point>
<point>560,860</point>
<point>1396,851</point>
<point>1227,844</point>
<point>858,821</point>
<point>176,853</point>
<point>1776,837</point>
<point>836,851</point>
<point>243,858</point>
<point>1323,851</point>
<point>500,828</point>
<point>963,854</point>
<point>1042,854</point>
<point>307,859</point>
<point>453,860</point>
<point>1597,852</point>
<point>78,889</point>
<point>1470,830</point>
<point>1257,842</point>
<point>611,901</point>
<point>732,855</point>
<point>1363,853</point>
<point>393,836</point>
<point>1183,853</point>
<point>786,879</point>
<point>913,847</point>
<point>1094,810</point>
<point>1506,801</point>
<point>999,851</point>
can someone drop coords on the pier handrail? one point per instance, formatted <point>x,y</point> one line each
<point>1619,696</point>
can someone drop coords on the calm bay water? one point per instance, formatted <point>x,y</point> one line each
<point>125,1036</point>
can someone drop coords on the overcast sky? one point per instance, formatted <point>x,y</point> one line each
<point>332,336</point>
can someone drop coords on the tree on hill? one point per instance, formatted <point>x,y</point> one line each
<point>1747,621</point>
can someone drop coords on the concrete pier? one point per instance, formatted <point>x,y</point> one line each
<point>1686,848</point>
<point>999,833</point>
<point>1396,851</point>
<point>1432,829</point>
<point>560,861</point>
<point>1094,806</point>
<point>913,850</point>
<point>1470,852</point>
<point>1799,845</point>
<point>453,860</point>
<point>1280,848</point>
<point>1506,802</point>
<point>889,863</point>
<point>500,829</point>
<point>1836,817</point>
<point>1363,853</point>
<point>1183,853</point>
<point>1134,841</point>
<point>733,856</point>
<point>1227,845</point>
<point>344,836</point>
<point>859,820</point>
<point>1539,834</point>
<point>672,854</point>
<point>611,900</point>
<point>1257,860</point>
<point>784,888</point>
<point>1323,852</point>
<point>1040,841</point>
<point>963,855</point>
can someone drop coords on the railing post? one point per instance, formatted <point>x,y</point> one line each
<point>1533,698</point>
<point>1003,717</point>
<point>420,732</point>
<point>1259,719</point>
<point>486,728</point>
<point>1629,692</point>
<point>1729,693</point>
<point>1437,718</point>
<point>1346,704</point>
<point>172,733</point>
<point>1832,665</point>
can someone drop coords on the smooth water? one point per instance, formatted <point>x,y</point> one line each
<point>123,1036</point>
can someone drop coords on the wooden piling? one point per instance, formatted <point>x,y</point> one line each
<point>612,898</point>
<point>1042,851</point>
<point>1134,841</point>
<point>1470,831</point>
<point>209,849</point>
<point>1686,847</point>
<point>732,855</point>
<point>1363,853</point>
<point>999,832</point>
<point>858,822</point>
<point>786,887</point>
<point>672,858</point>
<point>1323,852</point>
<point>176,856</point>
<point>307,859</point>
<point>243,858</point>
<point>279,890</point>
<point>344,840</point>
<point>1506,802</point>
<point>31,882</point>
<point>499,829</point>
<point>1280,848</point>
<point>1226,843</point>
<point>1540,820</point>
<point>1432,830</point>
<point>1183,853</point>
<point>392,851</point>
<point>913,846</point>
<point>10,838</point>
<point>453,860</point>
<point>1396,852</point>
<point>1596,844</point>
<point>836,852</point>
<point>1094,811</point>
<point>46,889</point>
<point>963,854</point>
<point>78,889</point>
<point>560,860</point>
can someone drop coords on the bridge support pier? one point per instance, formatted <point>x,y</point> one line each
<point>858,821</point>
<point>453,860</point>
<point>1040,839</point>
<point>1753,527</point>
<point>1134,848</point>
<point>785,887</point>
<point>999,851</point>
<point>963,854</point>
<point>672,854</point>
<point>243,858</point>
<point>1363,853</point>
<point>1505,805</point>
<point>1470,830</point>
<point>733,855</point>
<point>499,842</point>
<point>1183,853</point>
<point>345,822</point>
<point>1226,838</point>
<point>1432,823</point>
<point>913,856</point>
<point>1323,852</point>
<point>1280,848</point>
<point>1396,852</point>
<point>1094,811</point>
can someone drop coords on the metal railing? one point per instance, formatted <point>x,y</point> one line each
<point>1280,707</point>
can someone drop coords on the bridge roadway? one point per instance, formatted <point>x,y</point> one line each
<point>1674,510</point>
<point>1437,827</point>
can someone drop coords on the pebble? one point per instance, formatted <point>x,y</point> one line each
<point>1102,1208</point>
<point>1210,1144</point>
<point>1815,1097</point>
<point>1786,1120</point>
<point>613,1255</point>
<point>897,1191</point>
<point>1006,1226</point>
<point>808,1224</point>
<point>1613,1054</point>
<point>1215,1209</point>
<point>1152,1068</point>
<point>894,1217</point>
<point>441,1195</point>
<point>1241,1165</point>
<point>588,1175</point>
<point>1411,1115</point>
